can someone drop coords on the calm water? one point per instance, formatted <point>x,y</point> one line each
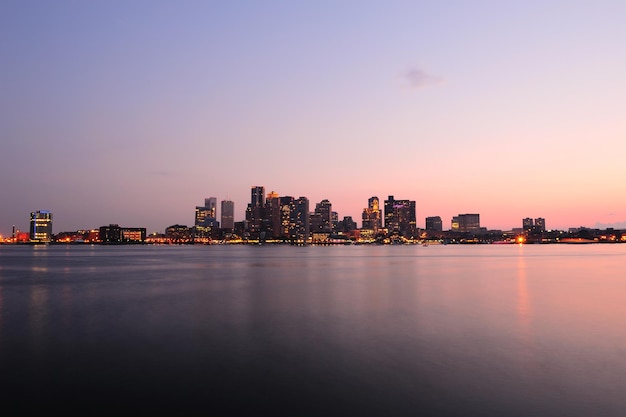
<point>489,330</point>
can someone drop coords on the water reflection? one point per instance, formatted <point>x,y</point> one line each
<point>461,330</point>
<point>39,317</point>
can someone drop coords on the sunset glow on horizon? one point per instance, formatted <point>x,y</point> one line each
<point>134,113</point>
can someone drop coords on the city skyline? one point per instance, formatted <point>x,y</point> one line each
<point>134,112</point>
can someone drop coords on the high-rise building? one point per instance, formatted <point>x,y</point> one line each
<point>527,224</point>
<point>211,204</point>
<point>466,223</point>
<point>540,224</point>
<point>255,211</point>
<point>41,226</point>
<point>371,217</point>
<point>302,228</point>
<point>536,226</point>
<point>205,222</point>
<point>272,214</point>
<point>434,224</point>
<point>257,196</point>
<point>324,209</point>
<point>228,214</point>
<point>400,217</point>
<point>347,224</point>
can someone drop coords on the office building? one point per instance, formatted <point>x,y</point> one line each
<point>400,217</point>
<point>228,215</point>
<point>371,217</point>
<point>255,212</point>
<point>466,223</point>
<point>272,214</point>
<point>527,224</point>
<point>41,226</point>
<point>302,228</point>
<point>113,233</point>
<point>324,213</point>
<point>434,224</point>
<point>540,224</point>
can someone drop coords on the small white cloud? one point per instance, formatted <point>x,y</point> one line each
<point>417,78</point>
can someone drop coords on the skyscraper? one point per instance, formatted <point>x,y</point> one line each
<point>211,204</point>
<point>466,223</point>
<point>434,224</point>
<point>371,215</point>
<point>302,228</point>
<point>41,226</point>
<point>255,211</point>
<point>205,222</point>
<point>324,209</point>
<point>540,224</point>
<point>257,196</point>
<point>400,217</point>
<point>527,224</point>
<point>228,214</point>
<point>272,214</point>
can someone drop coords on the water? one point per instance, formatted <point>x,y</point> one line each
<point>487,330</point>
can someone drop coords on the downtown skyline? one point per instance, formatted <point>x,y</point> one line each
<point>133,113</point>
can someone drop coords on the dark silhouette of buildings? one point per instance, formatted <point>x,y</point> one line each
<point>400,217</point>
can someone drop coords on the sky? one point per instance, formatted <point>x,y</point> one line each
<point>134,112</point>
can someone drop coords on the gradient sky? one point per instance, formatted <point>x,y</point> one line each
<point>133,112</point>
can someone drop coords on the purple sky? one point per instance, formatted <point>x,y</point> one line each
<point>133,112</point>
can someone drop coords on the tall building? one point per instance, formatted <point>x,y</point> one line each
<point>302,228</point>
<point>466,223</point>
<point>540,224</point>
<point>228,214</point>
<point>527,224</point>
<point>325,212</point>
<point>272,214</point>
<point>371,216</point>
<point>434,224</point>
<point>41,226</point>
<point>287,206</point>
<point>400,217</point>
<point>205,222</point>
<point>257,196</point>
<point>536,226</point>
<point>255,211</point>
<point>211,204</point>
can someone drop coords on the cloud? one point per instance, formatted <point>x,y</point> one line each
<point>417,78</point>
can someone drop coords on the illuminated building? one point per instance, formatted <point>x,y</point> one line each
<point>228,214</point>
<point>178,234</point>
<point>41,226</point>
<point>287,206</point>
<point>272,214</point>
<point>211,204</point>
<point>400,217</point>
<point>434,224</point>
<point>527,224</point>
<point>206,224</point>
<point>371,216</point>
<point>536,226</point>
<point>113,233</point>
<point>302,228</point>
<point>202,214</point>
<point>255,211</point>
<point>466,223</point>
<point>347,224</point>
<point>324,218</point>
<point>540,224</point>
